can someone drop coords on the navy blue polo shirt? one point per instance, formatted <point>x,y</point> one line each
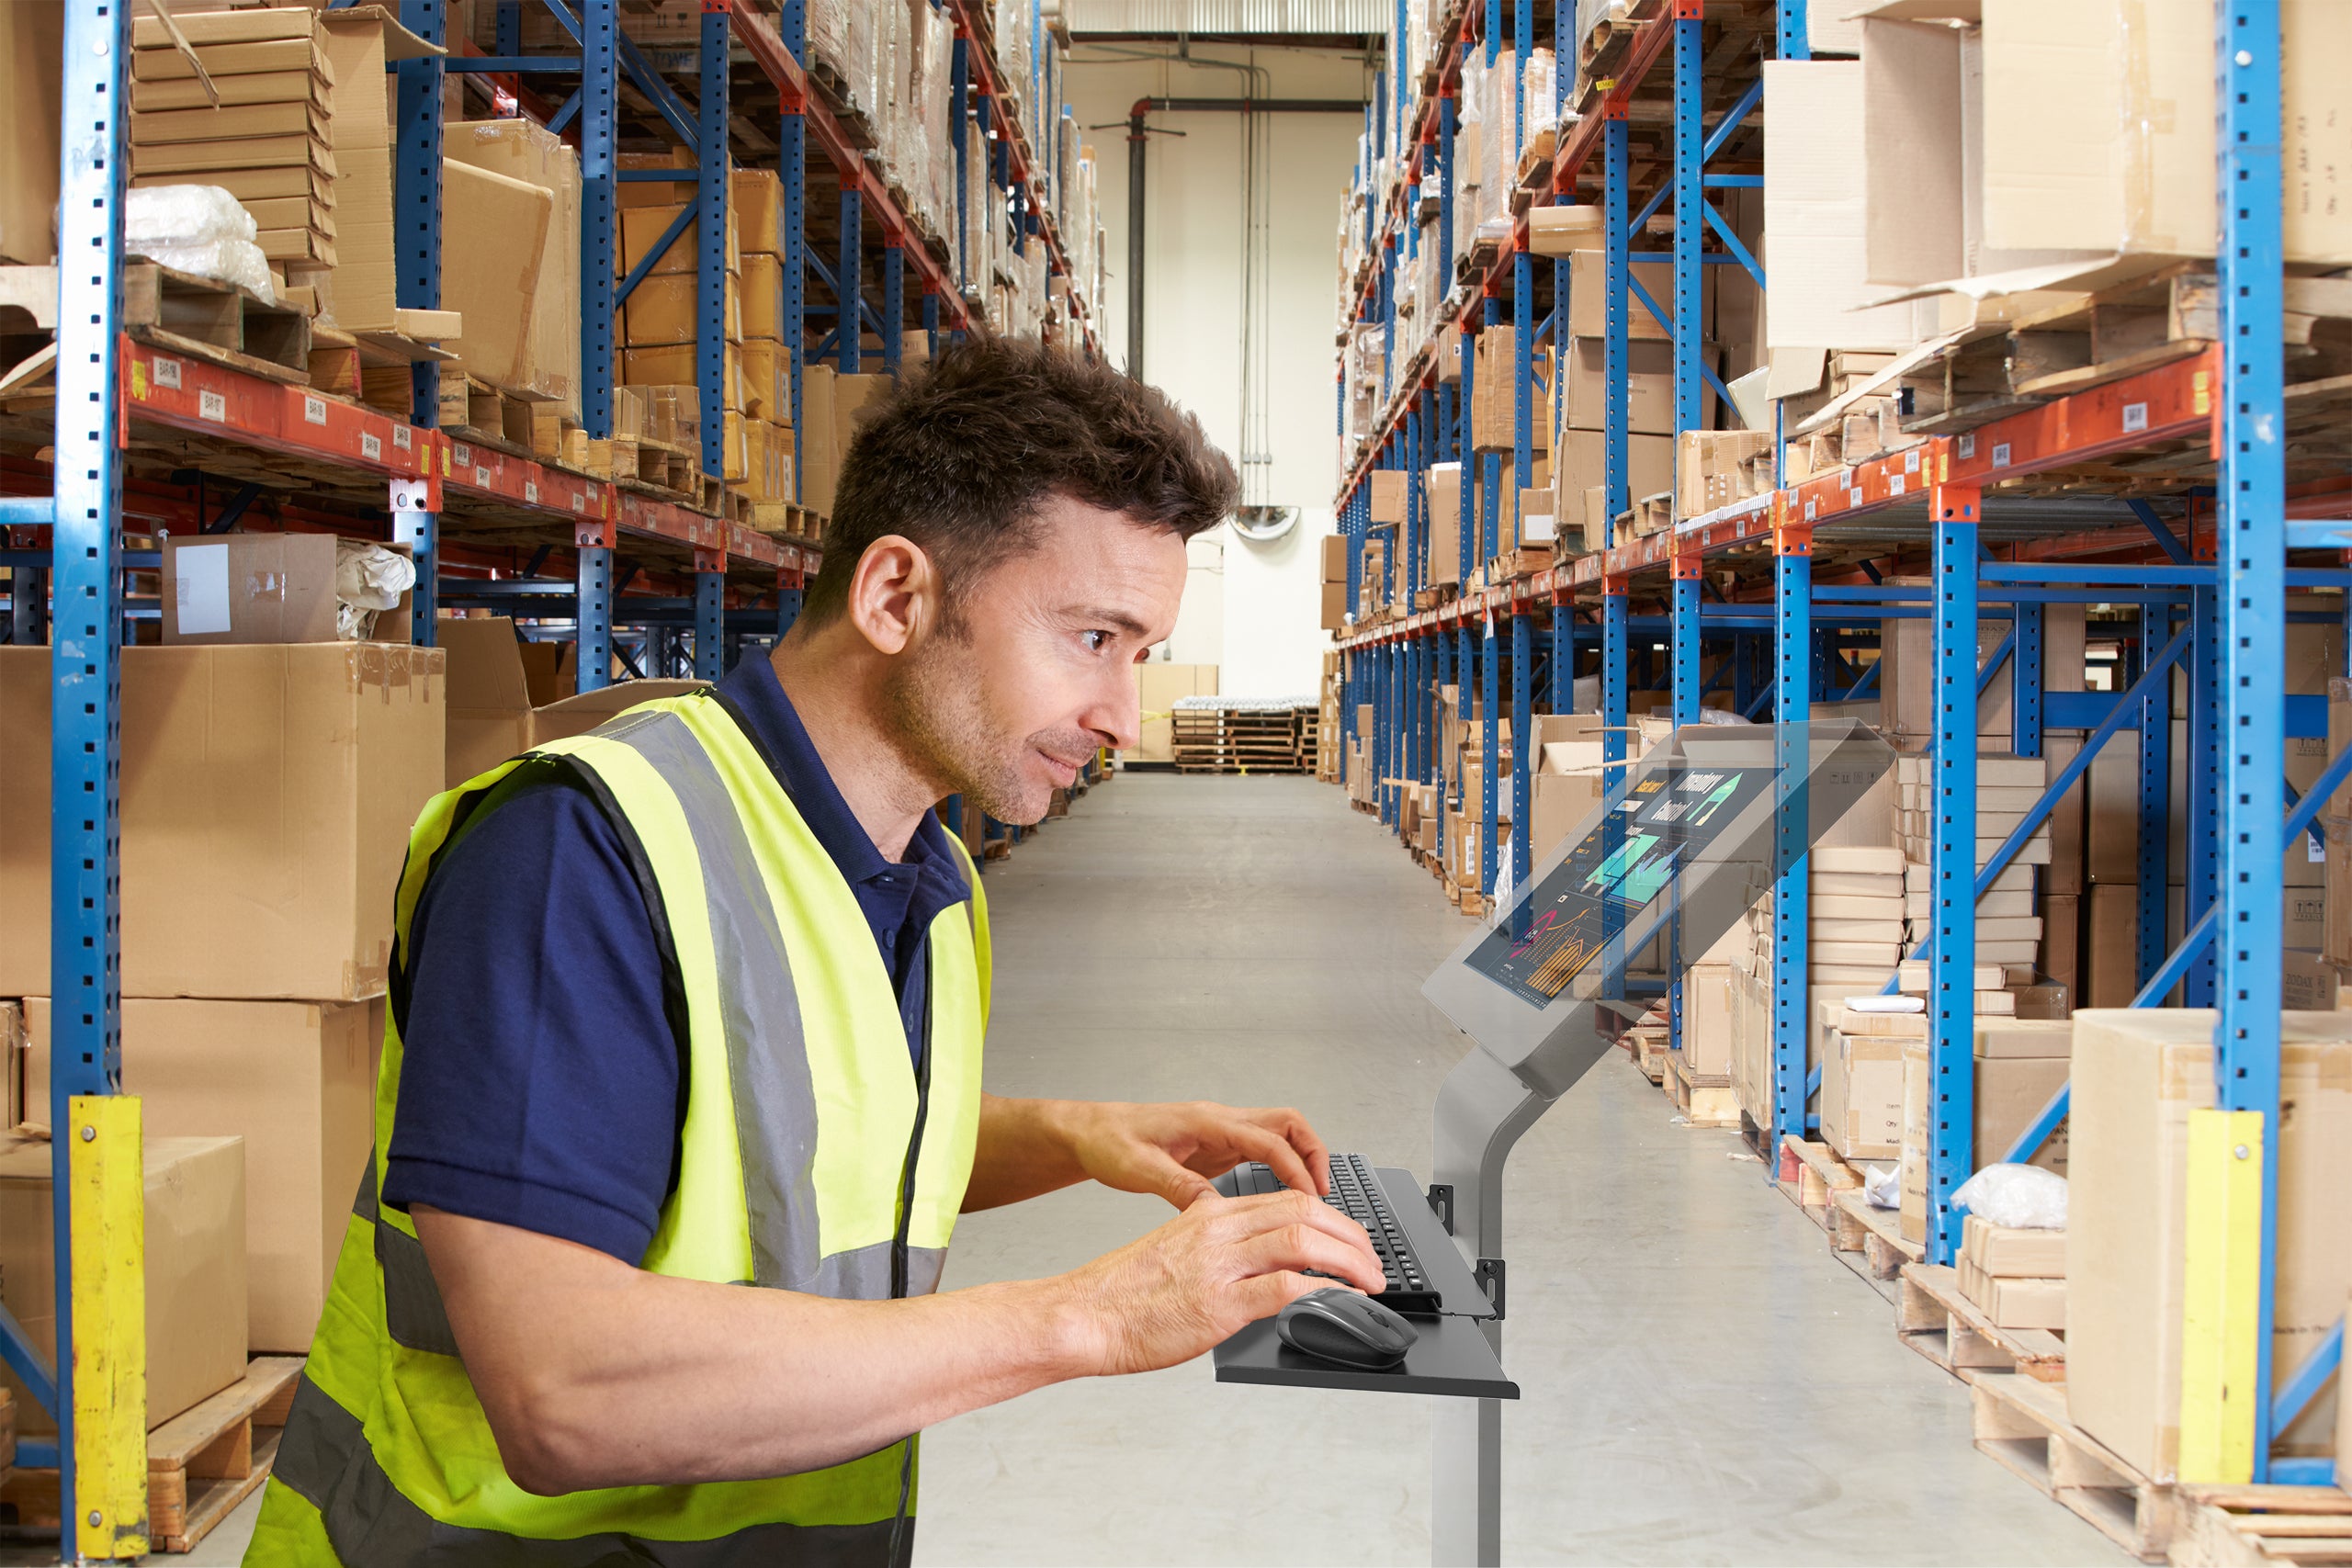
<point>543,1082</point>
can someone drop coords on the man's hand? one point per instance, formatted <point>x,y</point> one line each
<point>1030,1147</point>
<point>1174,1150</point>
<point>1224,1262</point>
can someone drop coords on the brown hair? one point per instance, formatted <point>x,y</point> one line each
<point>958,458</point>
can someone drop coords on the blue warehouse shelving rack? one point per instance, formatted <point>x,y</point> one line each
<point>583,557</point>
<point>1999,518</point>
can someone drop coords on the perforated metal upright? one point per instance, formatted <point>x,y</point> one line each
<point>416,213</point>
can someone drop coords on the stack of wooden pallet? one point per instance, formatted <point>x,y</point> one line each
<point>1244,735</point>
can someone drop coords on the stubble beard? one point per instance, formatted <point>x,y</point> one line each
<point>937,703</point>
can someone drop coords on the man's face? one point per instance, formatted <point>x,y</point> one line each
<point>1038,671</point>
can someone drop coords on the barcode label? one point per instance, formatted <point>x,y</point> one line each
<point>400,437</point>
<point>212,405</point>
<point>371,446</point>
<point>314,410</point>
<point>2135,416</point>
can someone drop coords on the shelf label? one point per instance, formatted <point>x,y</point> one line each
<point>1911,461</point>
<point>2000,454</point>
<point>2135,416</point>
<point>167,372</point>
<point>481,478</point>
<point>1894,484</point>
<point>1968,446</point>
<point>314,409</point>
<point>530,493</point>
<point>212,405</point>
<point>401,438</point>
<point>371,446</point>
<point>462,456</point>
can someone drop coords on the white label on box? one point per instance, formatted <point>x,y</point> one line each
<point>371,446</point>
<point>2135,416</point>
<point>314,409</point>
<point>530,493</point>
<point>167,372</point>
<point>200,588</point>
<point>462,456</point>
<point>212,405</point>
<point>1968,446</point>
<point>2000,454</point>
<point>2314,848</point>
<point>1537,526</point>
<point>400,437</point>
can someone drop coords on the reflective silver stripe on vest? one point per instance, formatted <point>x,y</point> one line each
<point>324,1458</point>
<point>414,1314</point>
<point>767,1053</point>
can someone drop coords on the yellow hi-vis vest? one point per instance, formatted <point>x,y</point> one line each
<point>815,1158</point>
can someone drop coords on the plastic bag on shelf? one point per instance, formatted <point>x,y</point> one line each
<point>2024,1197</point>
<point>187,216</point>
<point>1540,90</point>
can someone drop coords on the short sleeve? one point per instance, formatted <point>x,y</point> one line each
<point>540,1076</point>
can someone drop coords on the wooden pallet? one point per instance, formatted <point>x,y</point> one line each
<point>1949,1329</point>
<point>1650,1046</point>
<point>210,319</point>
<point>1875,1233</point>
<point>2021,1424</point>
<point>1811,1175</point>
<point>200,1464</point>
<point>2253,1527</point>
<point>1705,1099</point>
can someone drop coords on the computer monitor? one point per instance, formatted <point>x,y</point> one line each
<point>1680,848</point>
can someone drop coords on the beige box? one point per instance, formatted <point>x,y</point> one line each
<point>1387,494</point>
<point>1861,1095</point>
<point>526,150</point>
<point>2021,1064</point>
<point>1157,688</point>
<point>268,793</point>
<point>1649,385</point>
<point>2012,1251</point>
<point>493,234</point>
<point>1588,304</point>
<point>2138,1075</point>
<point>194,1264</point>
<point>360,43</point>
<point>2098,127</point>
<point>297,1082</point>
<point>506,696</point>
<point>1707,1020</point>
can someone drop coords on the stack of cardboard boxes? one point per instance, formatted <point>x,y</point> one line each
<point>1334,550</point>
<point>268,793</point>
<point>2017,1277</point>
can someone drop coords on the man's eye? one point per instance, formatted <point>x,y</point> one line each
<point>1096,641</point>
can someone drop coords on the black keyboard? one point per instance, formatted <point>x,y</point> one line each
<point>1357,1193</point>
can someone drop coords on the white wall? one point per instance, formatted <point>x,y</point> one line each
<point>1252,609</point>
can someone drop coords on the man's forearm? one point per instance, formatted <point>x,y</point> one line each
<point>1026,1149</point>
<point>626,1378</point>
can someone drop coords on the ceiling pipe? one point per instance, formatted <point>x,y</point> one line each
<point>1136,133</point>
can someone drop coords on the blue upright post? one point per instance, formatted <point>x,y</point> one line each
<point>1523,397</point>
<point>894,302</point>
<point>2152,942</point>
<point>1466,444</point>
<point>86,667</point>
<point>1564,656</point>
<point>1792,890</point>
<point>2251,556</point>
<point>1613,654</point>
<point>2204,768</point>
<point>1522,741</point>
<point>1490,756</point>
<point>1616,353</point>
<point>849,327</point>
<point>599,33</point>
<point>710,624</point>
<point>1951,994</point>
<point>416,208</point>
<point>711,194</point>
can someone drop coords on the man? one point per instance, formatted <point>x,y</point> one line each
<point>696,1002</point>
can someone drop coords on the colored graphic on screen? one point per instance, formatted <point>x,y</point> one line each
<point>1665,822</point>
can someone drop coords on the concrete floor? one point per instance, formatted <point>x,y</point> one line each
<point>1702,1382</point>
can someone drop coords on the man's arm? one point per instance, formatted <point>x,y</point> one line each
<point>594,1374</point>
<point>1031,1146</point>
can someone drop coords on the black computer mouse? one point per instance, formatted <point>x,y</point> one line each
<point>1341,1326</point>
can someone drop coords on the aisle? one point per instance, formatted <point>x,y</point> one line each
<point>1702,1382</point>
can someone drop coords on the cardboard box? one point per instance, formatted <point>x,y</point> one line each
<point>2016,1303</point>
<point>164,62</point>
<point>1649,387</point>
<point>2013,1252</point>
<point>756,207</point>
<point>2098,127</point>
<point>32,50</point>
<point>1589,302</point>
<point>767,381</point>
<point>1579,465</point>
<point>249,588</point>
<point>2019,1064</point>
<point>1387,494</point>
<point>296,85</point>
<point>195,1215</point>
<point>1335,557</point>
<point>1158,686</point>
<point>2139,1074</point>
<point>297,151</point>
<point>1335,607</point>
<point>666,310</point>
<point>1565,228</point>
<point>1861,1095</point>
<point>494,232</point>
<point>1707,1020</point>
<point>506,696</point>
<point>762,308</point>
<point>358,43</point>
<point>295,1081</point>
<point>1814,222</point>
<point>526,150</point>
<point>268,793</point>
<point>1445,523</point>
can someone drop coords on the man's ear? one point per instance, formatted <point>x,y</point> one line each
<point>895,594</point>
